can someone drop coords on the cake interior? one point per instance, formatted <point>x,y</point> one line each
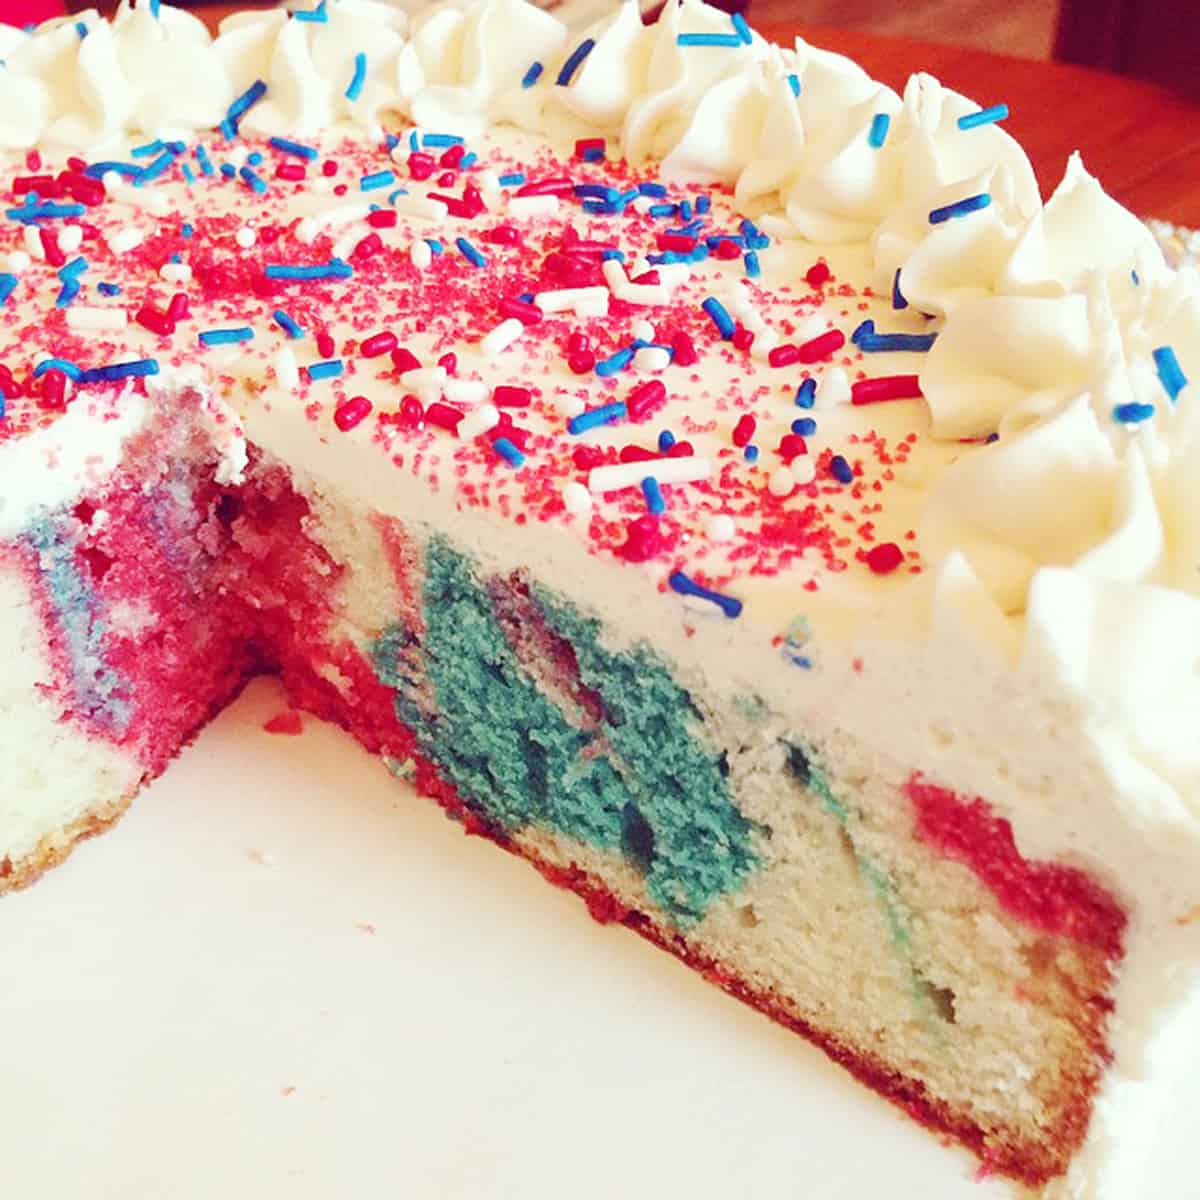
<point>889,921</point>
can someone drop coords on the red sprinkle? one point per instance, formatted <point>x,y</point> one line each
<point>370,244</point>
<point>527,314</point>
<point>587,457</point>
<point>329,168</point>
<point>583,145</point>
<point>743,339</point>
<point>291,170</point>
<point>791,445</point>
<point>33,160</point>
<point>643,539</point>
<point>648,278</point>
<point>149,317</point>
<point>412,412</point>
<point>681,450</point>
<point>452,156</point>
<point>683,243</point>
<point>382,218</point>
<point>445,416</point>
<point>886,387</point>
<point>378,343</point>
<point>559,185</point>
<point>350,412</point>
<point>287,722</point>
<point>578,342</point>
<point>632,453</point>
<point>82,188</point>
<point>743,431</point>
<point>54,390</point>
<point>884,558</point>
<point>178,309</point>
<point>23,184</point>
<point>449,362</point>
<point>54,256</point>
<point>822,346</point>
<point>326,346</point>
<point>784,356</point>
<point>646,399</point>
<point>727,249</point>
<point>582,363</point>
<point>404,360</point>
<point>502,235</point>
<point>817,274</point>
<point>507,396</point>
<point>685,351</point>
<point>446,179</point>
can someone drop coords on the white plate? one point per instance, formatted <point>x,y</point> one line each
<point>284,975</point>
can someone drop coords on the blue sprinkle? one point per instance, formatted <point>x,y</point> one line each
<point>390,141</point>
<point>177,148</point>
<point>224,337</point>
<point>508,451</point>
<point>335,268</point>
<point>109,289</point>
<point>229,170</point>
<point>175,258</point>
<point>149,149</point>
<point>70,289</point>
<point>68,368</point>
<point>391,197</point>
<point>991,437</point>
<point>615,363</point>
<point>228,129</point>
<point>414,142</point>
<point>1134,276</point>
<point>1133,414</point>
<point>468,160</point>
<point>317,14</point>
<point>189,176</point>
<point>593,154</point>
<point>794,84</point>
<point>532,75</point>
<point>251,96</point>
<point>687,586</point>
<point>806,394</point>
<point>703,204</point>
<point>985,116</point>
<point>752,268</point>
<point>596,191</point>
<point>434,245</point>
<point>443,140</point>
<point>575,61</point>
<point>960,208</point>
<point>872,343</point>
<point>358,78</point>
<point>380,179</point>
<point>748,227</point>
<point>8,284</point>
<point>841,470</point>
<point>33,212</point>
<point>129,370</point>
<point>657,190</point>
<point>741,28</point>
<point>286,323</point>
<point>76,266</point>
<point>470,253</point>
<point>898,300</point>
<point>255,159</point>
<point>708,39</point>
<point>206,167</point>
<point>328,369</point>
<point>719,316</point>
<point>154,8</point>
<point>750,453</point>
<point>158,167</point>
<point>1170,373</point>
<point>685,210</point>
<point>880,123</point>
<point>515,179</point>
<point>296,149</point>
<point>100,169</point>
<point>714,240</point>
<point>666,440</point>
<point>655,504</point>
<point>804,426</point>
<point>591,418</point>
<point>254,182</point>
<point>663,210</point>
<point>614,255</point>
<point>81,29</point>
<point>863,329</point>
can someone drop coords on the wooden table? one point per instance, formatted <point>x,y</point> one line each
<point>1141,140</point>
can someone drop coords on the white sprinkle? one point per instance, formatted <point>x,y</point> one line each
<point>424,377</point>
<point>125,240</point>
<point>673,274</point>
<point>803,470</point>
<point>466,391</point>
<point>400,152</point>
<point>91,317</point>
<point>421,206</point>
<point>652,358</point>
<point>765,340</point>
<point>614,274</point>
<point>592,306</point>
<point>719,527</point>
<point>560,299</point>
<point>643,330</point>
<point>237,157</point>
<point>643,204</point>
<point>18,261</point>
<point>576,498</point>
<point>245,237</point>
<point>479,420</point>
<point>332,218</point>
<point>501,337</point>
<point>533,206</point>
<point>811,327</point>
<point>568,405</point>
<point>639,266</point>
<point>112,181</point>
<point>70,238</point>
<point>343,247</point>
<point>147,199</point>
<point>307,230</point>
<point>175,272</point>
<point>420,254</point>
<point>832,389</point>
<point>776,227</point>
<point>287,374</point>
<point>489,182</point>
<point>33,243</point>
<point>684,469</point>
<point>781,482</point>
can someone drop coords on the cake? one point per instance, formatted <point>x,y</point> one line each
<point>709,475</point>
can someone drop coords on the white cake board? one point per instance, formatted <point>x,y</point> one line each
<point>285,975</point>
